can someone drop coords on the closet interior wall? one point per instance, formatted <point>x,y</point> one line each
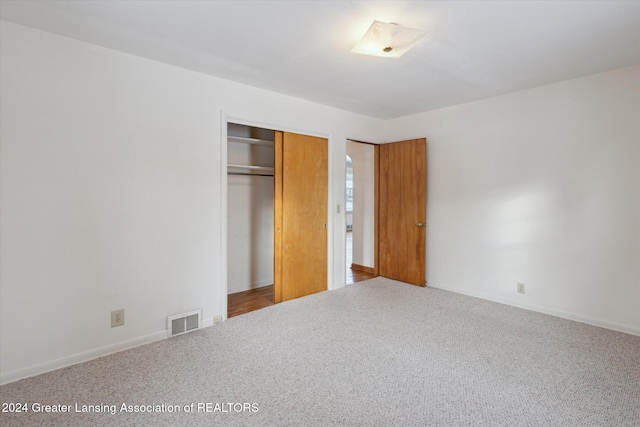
<point>250,155</point>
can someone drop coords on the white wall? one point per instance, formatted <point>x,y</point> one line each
<point>113,194</point>
<point>362,156</point>
<point>540,187</point>
<point>250,232</point>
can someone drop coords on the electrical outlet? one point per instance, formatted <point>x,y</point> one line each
<point>117,318</point>
<point>520,288</point>
<point>217,319</point>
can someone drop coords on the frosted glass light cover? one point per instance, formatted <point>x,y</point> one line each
<point>387,40</point>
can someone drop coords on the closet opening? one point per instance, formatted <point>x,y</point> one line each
<point>277,216</point>
<point>250,218</point>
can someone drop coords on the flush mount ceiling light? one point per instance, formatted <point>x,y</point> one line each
<point>388,40</point>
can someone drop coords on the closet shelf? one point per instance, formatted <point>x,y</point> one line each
<point>251,167</point>
<point>252,141</point>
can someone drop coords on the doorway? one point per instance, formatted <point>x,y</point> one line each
<point>360,212</point>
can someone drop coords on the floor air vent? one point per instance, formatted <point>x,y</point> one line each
<point>185,322</point>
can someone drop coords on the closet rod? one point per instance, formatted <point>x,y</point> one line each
<point>248,174</point>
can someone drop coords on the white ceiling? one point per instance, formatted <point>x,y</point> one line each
<point>474,49</point>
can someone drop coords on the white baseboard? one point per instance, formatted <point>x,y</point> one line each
<point>85,356</point>
<point>541,309</point>
<point>261,283</point>
<point>336,285</point>
<point>249,286</point>
<point>207,322</point>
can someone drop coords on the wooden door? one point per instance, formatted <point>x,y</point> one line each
<point>300,208</point>
<point>402,211</point>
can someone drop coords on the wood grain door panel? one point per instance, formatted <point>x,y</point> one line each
<point>402,211</point>
<point>301,216</point>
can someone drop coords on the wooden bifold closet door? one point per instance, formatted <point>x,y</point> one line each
<point>300,215</point>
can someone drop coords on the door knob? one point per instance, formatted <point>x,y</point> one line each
<point>420,225</point>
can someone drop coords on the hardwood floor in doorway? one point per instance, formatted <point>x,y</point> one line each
<point>254,299</point>
<point>244,302</point>
<point>354,276</point>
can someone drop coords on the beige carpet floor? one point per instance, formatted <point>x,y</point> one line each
<point>377,353</point>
